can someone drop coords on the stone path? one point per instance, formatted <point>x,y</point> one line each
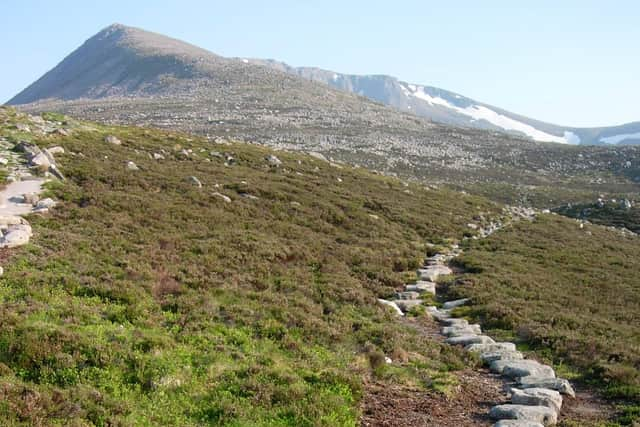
<point>21,195</point>
<point>535,394</point>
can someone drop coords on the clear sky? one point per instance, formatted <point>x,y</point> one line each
<point>570,62</point>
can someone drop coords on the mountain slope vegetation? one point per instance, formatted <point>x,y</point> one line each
<point>145,299</point>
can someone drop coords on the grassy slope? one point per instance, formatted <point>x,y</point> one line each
<point>144,300</point>
<point>573,294</point>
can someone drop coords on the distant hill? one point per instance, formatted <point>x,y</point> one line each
<point>443,106</point>
<point>125,75</point>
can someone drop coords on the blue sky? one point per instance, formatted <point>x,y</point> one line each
<point>570,62</point>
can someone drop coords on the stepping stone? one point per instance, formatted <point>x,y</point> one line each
<point>540,414</point>
<point>455,303</point>
<point>537,397</point>
<point>559,384</point>
<point>490,348</point>
<point>522,368</point>
<point>452,331</point>
<point>517,423</point>
<point>407,295</point>
<point>455,322</point>
<point>440,315</point>
<point>407,304</point>
<point>422,286</point>
<point>431,273</point>
<point>469,339</point>
<point>391,304</point>
<point>490,357</point>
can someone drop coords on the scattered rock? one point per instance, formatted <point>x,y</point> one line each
<point>273,160</point>
<point>23,128</point>
<point>4,161</point>
<point>223,197</point>
<point>111,139</point>
<point>56,150</point>
<point>407,304</point>
<point>195,181</point>
<point>158,156</point>
<point>132,166</point>
<point>47,203</point>
<point>16,235</point>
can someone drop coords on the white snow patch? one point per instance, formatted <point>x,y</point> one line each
<point>619,138</point>
<point>246,61</point>
<point>480,112</point>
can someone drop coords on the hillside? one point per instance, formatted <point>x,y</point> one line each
<point>144,298</point>
<point>450,108</point>
<point>130,76</point>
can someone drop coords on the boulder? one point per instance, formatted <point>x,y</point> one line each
<point>31,198</point>
<point>16,235</point>
<point>4,161</point>
<point>112,140</point>
<point>537,397</point>
<point>158,156</point>
<point>522,368</point>
<point>469,339</point>
<point>391,304</point>
<point>558,384</point>
<point>540,414</point>
<point>517,423</point>
<point>40,160</point>
<point>47,203</point>
<point>455,303</point>
<point>9,220</point>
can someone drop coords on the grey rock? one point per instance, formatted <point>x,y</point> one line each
<point>517,423</point>
<point>455,322</point>
<point>47,203</point>
<point>431,273</point>
<point>558,384</point>
<point>422,286</point>
<point>522,368</point>
<point>226,199</point>
<point>132,166</point>
<point>273,160</point>
<point>455,303</point>
<point>537,397</point>
<point>407,304</point>
<point>195,181</point>
<point>493,347</point>
<point>55,150</point>
<point>16,235</point>
<point>491,357</point>
<point>469,339</point>
<point>539,414</point>
<point>158,156</point>
<point>456,331</point>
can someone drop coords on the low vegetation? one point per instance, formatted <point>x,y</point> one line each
<point>567,291</point>
<point>144,299</point>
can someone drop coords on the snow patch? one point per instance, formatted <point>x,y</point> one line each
<point>616,139</point>
<point>246,61</point>
<point>480,112</point>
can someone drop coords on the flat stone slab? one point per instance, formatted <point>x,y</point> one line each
<point>456,331</point>
<point>453,321</point>
<point>490,357</point>
<point>517,423</point>
<point>493,347</point>
<point>540,414</point>
<point>391,304</point>
<point>432,272</point>
<point>407,295</point>
<point>12,200</point>
<point>421,287</point>
<point>559,384</point>
<point>469,339</point>
<point>537,397</point>
<point>455,303</point>
<point>522,368</point>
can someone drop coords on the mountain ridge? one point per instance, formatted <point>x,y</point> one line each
<point>453,108</point>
